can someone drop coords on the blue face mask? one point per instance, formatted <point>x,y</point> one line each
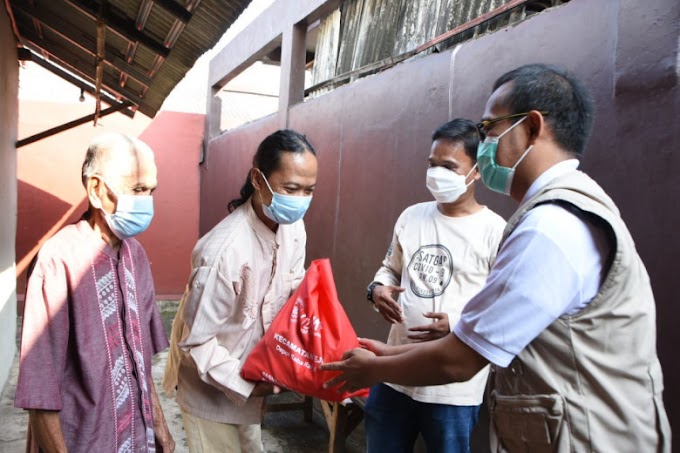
<point>496,177</point>
<point>285,209</point>
<point>133,214</point>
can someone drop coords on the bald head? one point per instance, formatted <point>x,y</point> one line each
<point>116,156</point>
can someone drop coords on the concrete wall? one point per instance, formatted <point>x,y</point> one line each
<point>50,194</point>
<point>9,85</point>
<point>372,138</point>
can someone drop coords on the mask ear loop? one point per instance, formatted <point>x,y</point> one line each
<point>523,156</point>
<point>266,182</point>
<point>108,187</point>
<point>469,173</point>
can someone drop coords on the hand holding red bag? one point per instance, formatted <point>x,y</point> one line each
<point>312,328</point>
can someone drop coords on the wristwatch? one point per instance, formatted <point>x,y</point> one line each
<point>369,294</point>
<point>369,291</point>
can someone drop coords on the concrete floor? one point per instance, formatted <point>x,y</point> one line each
<point>281,431</point>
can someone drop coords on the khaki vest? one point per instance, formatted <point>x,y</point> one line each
<point>590,382</point>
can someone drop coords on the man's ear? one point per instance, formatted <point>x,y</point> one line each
<point>476,175</point>
<point>536,125</point>
<point>256,178</point>
<point>94,187</point>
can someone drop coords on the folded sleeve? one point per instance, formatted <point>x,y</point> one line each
<point>44,338</point>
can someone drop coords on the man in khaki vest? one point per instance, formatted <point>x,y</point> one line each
<point>567,316</point>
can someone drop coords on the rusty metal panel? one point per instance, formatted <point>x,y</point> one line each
<point>373,30</point>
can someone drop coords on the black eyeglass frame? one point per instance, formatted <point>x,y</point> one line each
<point>486,123</point>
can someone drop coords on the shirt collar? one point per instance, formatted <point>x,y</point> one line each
<point>95,240</point>
<point>258,225</point>
<point>557,170</point>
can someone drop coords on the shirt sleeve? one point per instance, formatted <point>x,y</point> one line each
<point>209,302</point>
<point>534,281</point>
<point>390,271</point>
<point>44,338</point>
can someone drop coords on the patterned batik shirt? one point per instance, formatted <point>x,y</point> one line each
<point>90,328</point>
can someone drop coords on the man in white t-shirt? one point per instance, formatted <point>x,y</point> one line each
<point>440,256</point>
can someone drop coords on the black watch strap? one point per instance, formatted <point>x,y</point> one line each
<point>369,290</point>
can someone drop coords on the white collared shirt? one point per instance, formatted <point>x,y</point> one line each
<point>551,265</point>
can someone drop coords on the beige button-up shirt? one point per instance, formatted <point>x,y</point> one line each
<point>242,274</point>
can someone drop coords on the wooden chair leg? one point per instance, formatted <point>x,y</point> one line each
<point>336,443</point>
<point>308,409</point>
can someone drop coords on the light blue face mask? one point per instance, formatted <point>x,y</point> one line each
<point>496,177</point>
<point>133,214</point>
<point>285,209</point>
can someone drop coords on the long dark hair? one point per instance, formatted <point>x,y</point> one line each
<point>268,158</point>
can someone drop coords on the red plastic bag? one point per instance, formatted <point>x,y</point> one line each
<point>312,328</point>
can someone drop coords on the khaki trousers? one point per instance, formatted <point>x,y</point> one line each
<point>205,436</point>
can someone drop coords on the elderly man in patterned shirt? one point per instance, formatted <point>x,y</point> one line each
<point>90,324</point>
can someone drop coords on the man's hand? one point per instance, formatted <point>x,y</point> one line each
<point>47,432</point>
<point>164,441</point>
<point>265,388</point>
<point>354,365</point>
<point>438,329</point>
<point>376,347</point>
<point>385,303</point>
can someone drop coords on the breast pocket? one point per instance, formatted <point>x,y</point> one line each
<point>528,423</point>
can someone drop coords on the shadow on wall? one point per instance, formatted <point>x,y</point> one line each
<point>40,215</point>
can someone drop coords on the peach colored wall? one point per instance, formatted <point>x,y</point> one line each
<point>50,194</point>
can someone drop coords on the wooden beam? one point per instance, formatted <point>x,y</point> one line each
<point>71,124</point>
<point>74,80</point>
<point>74,63</point>
<point>82,41</point>
<point>174,8</point>
<point>99,71</point>
<point>120,25</point>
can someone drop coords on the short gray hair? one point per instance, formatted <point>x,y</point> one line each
<point>103,148</point>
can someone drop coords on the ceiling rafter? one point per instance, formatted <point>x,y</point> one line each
<point>120,25</point>
<point>82,41</point>
<point>86,87</point>
<point>65,33</point>
<point>73,63</point>
<point>180,12</point>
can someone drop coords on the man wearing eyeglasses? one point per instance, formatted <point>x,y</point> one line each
<point>567,315</point>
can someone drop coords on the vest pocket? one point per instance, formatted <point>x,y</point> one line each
<point>528,423</point>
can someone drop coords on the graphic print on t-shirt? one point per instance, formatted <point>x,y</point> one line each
<point>430,270</point>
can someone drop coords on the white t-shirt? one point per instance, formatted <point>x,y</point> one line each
<point>442,262</point>
<point>551,265</point>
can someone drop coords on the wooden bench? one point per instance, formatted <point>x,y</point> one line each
<point>303,403</point>
<point>341,419</point>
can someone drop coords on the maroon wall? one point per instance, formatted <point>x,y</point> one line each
<point>373,138</point>
<point>176,138</point>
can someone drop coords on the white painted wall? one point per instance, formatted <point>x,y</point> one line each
<point>9,85</point>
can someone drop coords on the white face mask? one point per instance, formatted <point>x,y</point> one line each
<point>446,186</point>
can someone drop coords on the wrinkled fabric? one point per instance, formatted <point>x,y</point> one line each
<point>90,328</point>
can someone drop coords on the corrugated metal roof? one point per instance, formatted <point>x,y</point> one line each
<point>149,44</point>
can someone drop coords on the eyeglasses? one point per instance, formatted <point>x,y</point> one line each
<point>483,126</point>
